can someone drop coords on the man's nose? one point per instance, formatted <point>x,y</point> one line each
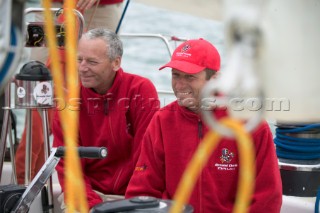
<point>82,66</point>
<point>180,83</point>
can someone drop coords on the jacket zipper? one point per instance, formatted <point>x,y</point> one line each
<point>116,182</point>
<point>200,129</point>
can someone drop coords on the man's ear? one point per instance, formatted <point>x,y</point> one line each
<point>216,75</point>
<point>116,64</point>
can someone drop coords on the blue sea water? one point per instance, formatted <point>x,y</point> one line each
<point>145,56</point>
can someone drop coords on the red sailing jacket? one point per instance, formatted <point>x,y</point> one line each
<point>117,121</point>
<point>169,143</point>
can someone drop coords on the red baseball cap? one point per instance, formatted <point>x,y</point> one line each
<point>193,56</point>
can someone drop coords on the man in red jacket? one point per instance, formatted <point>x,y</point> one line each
<point>107,14</point>
<point>115,110</point>
<point>175,132</point>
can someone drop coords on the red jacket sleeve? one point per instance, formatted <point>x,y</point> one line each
<point>142,108</point>
<point>148,177</point>
<point>145,105</point>
<point>268,189</point>
<point>92,197</point>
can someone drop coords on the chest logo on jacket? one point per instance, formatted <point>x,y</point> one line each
<point>226,158</point>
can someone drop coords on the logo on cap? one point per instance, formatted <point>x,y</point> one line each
<point>185,48</point>
<point>184,51</point>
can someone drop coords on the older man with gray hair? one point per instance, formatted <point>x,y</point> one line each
<point>115,110</point>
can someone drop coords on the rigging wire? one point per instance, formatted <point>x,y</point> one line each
<point>92,15</point>
<point>122,16</point>
<point>10,56</point>
<point>316,206</point>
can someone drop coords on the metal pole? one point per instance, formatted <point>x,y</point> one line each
<point>5,126</point>
<point>13,162</point>
<point>45,122</point>
<point>27,176</point>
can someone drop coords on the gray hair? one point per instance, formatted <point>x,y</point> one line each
<point>112,40</point>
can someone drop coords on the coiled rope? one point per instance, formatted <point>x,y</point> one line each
<point>291,147</point>
<point>298,148</point>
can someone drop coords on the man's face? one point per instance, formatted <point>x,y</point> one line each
<point>96,71</point>
<point>187,88</point>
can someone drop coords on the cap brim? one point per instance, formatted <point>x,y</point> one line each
<point>183,66</point>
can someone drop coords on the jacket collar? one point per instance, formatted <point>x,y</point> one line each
<point>117,80</point>
<point>190,115</point>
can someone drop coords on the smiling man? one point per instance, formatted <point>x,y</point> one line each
<point>116,108</point>
<point>175,132</point>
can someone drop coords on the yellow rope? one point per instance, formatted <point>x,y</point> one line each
<point>247,171</point>
<point>200,158</point>
<point>75,190</point>
<point>193,170</point>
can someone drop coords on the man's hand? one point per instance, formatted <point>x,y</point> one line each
<point>85,4</point>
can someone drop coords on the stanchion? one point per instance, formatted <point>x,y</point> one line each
<point>6,128</point>
<point>34,92</point>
